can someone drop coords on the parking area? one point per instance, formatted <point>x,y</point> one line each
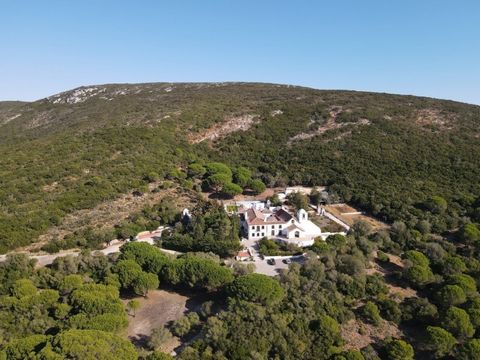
<point>261,265</point>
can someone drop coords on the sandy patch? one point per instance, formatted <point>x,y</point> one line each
<point>358,334</point>
<point>231,124</point>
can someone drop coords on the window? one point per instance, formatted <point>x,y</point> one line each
<point>273,232</point>
<point>263,234</point>
<point>263,227</point>
<point>279,226</point>
<point>258,227</point>
<point>297,234</point>
<point>258,234</point>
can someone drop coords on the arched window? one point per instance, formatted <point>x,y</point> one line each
<point>297,234</point>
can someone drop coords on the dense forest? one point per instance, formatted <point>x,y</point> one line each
<point>411,162</point>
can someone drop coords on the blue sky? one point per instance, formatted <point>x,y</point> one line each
<point>422,47</point>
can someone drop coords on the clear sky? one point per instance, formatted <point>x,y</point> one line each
<point>421,47</point>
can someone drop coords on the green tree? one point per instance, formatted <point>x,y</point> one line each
<point>469,350</point>
<point>370,313</point>
<point>390,310</point>
<point>257,186</point>
<point>196,170</point>
<point>361,228</point>
<point>451,295</point>
<point>72,344</point>
<point>466,282</point>
<point>159,337</point>
<point>457,321</point>
<point>145,282</point>
<point>24,348</point>
<point>242,176</point>
<point>217,182</point>
<point>182,326</point>
<point>214,168</point>
<point>399,350</point>
<point>133,305</point>
<point>327,331</point>
<point>469,233</point>
<point>436,204</point>
<point>418,276</point>
<point>128,271</point>
<point>414,257</point>
<point>453,265</point>
<point>256,288</point>
<point>157,355</point>
<point>149,257</point>
<point>298,200</point>
<point>192,271</point>
<point>22,288</point>
<point>70,283</point>
<point>231,189</point>
<point>440,341</point>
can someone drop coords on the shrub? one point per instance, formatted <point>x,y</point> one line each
<point>457,321</point>
<point>399,350</point>
<point>440,341</point>
<point>370,313</point>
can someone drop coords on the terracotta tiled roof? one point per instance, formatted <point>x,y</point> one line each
<point>267,217</point>
<point>243,253</point>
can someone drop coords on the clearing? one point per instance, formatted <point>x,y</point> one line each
<point>358,334</point>
<point>159,309</point>
<point>350,215</point>
<point>231,124</point>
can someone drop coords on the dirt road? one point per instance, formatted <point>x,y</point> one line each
<point>47,259</point>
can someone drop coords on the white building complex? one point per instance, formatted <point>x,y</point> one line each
<point>279,224</point>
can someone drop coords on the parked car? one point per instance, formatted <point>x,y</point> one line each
<point>271,262</point>
<point>287,261</point>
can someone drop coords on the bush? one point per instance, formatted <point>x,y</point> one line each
<point>159,337</point>
<point>457,321</point>
<point>451,295</point>
<point>469,351</point>
<point>399,350</point>
<point>370,313</point>
<point>382,257</point>
<point>440,341</point>
<point>390,310</point>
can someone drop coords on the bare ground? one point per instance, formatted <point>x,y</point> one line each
<point>387,271</point>
<point>350,215</point>
<point>231,124</point>
<point>358,334</point>
<point>157,310</point>
<point>330,124</point>
<point>428,117</point>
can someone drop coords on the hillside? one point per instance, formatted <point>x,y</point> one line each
<point>386,153</point>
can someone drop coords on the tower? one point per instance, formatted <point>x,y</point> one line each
<point>302,216</point>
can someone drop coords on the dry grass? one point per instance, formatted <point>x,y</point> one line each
<point>358,334</point>
<point>347,214</point>
<point>157,310</point>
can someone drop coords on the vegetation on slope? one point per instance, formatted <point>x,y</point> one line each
<point>388,154</point>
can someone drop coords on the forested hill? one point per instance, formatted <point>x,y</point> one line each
<point>394,156</point>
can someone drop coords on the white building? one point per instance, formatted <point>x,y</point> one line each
<point>280,225</point>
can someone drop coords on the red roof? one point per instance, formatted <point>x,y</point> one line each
<point>266,217</point>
